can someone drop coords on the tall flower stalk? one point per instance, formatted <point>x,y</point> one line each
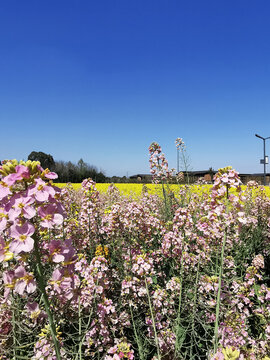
<point>182,157</point>
<point>160,171</point>
<point>153,321</point>
<point>31,205</point>
<point>223,180</point>
<point>42,288</point>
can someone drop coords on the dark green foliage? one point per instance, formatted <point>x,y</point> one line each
<point>76,173</point>
<point>46,160</point>
<point>68,171</point>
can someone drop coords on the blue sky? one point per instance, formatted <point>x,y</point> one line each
<point>101,80</point>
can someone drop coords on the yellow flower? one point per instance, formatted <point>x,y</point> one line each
<point>230,354</point>
<point>8,256</point>
<point>102,251</point>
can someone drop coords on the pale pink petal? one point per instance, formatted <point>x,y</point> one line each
<point>58,219</point>
<point>29,212</point>
<point>20,287</point>
<point>57,258</point>
<point>31,287</point>
<point>51,175</point>
<point>4,191</point>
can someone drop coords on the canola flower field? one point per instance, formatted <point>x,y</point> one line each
<point>135,190</point>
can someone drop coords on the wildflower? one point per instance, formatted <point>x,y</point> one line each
<point>258,261</point>
<point>33,309</point>
<point>21,173</point>
<point>230,353</point>
<point>24,281</point>
<point>21,205</point>
<point>102,251</point>
<point>55,251</point>
<point>3,219</point>
<point>120,351</point>
<point>158,163</point>
<point>19,281</point>
<point>21,233</point>
<point>41,190</point>
<point>50,216</point>
<point>49,174</point>
<point>5,254</point>
<point>180,143</point>
<point>4,190</point>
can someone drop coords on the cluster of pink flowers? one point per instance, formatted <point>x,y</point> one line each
<point>180,144</point>
<point>122,350</point>
<point>158,164</point>
<point>124,281</point>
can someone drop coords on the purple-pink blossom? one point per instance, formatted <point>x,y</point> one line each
<point>50,216</point>
<point>21,233</point>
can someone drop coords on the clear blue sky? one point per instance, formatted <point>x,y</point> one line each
<point>101,80</point>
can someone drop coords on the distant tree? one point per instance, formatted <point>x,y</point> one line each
<point>72,171</point>
<point>61,170</point>
<point>83,170</point>
<point>46,160</point>
<point>211,172</point>
<point>101,178</point>
<point>68,171</point>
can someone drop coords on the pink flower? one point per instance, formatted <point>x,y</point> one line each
<point>20,205</point>
<point>62,252</point>
<point>9,282</point>
<point>4,190</point>
<point>55,250</point>
<point>113,350</point>
<point>63,283</point>
<point>5,254</point>
<point>41,190</point>
<point>21,232</point>
<point>24,281</point>
<point>21,173</point>
<point>51,175</point>
<point>34,311</point>
<point>19,280</point>
<point>2,249</point>
<point>49,216</point>
<point>3,219</point>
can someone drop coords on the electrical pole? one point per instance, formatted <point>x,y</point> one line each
<point>264,161</point>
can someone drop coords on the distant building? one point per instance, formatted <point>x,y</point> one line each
<point>207,176</point>
<point>259,177</point>
<point>141,178</point>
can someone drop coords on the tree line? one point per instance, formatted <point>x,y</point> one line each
<point>68,171</point>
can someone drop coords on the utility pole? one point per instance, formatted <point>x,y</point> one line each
<point>264,161</point>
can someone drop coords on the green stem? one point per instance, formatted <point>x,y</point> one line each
<point>194,304</point>
<point>177,347</point>
<point>153,320</point>
<point>42,288</point>
<point>14,328</point>
<point>87,328</point>
<point>80,330</point>
<point>141,352</point>
<point>164,194</point>
<point>219,292</point>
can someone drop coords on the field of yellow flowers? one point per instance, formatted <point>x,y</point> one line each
<point>136,190</point>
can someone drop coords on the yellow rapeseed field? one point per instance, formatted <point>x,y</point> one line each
<point>135,190</point>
